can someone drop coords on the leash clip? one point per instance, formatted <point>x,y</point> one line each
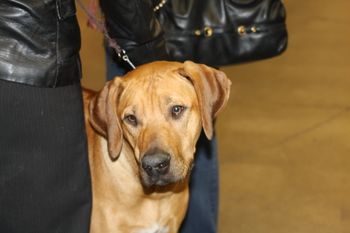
<point>100,26</point>
<point>125,58</point>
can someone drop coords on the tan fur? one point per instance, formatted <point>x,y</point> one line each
<point>122,203</point>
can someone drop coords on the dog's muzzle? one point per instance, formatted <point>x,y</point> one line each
<point>155,169</point>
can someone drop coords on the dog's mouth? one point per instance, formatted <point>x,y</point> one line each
<point>158,180</point>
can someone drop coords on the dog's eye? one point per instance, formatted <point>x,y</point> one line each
<point>131,119</point>
<point>176,111</point>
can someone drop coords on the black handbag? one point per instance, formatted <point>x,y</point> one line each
<point>222,32</point>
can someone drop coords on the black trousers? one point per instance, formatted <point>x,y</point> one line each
<point>45,182</point>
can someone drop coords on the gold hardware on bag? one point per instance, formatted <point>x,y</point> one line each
<point>208,31</point>
<point>197,32</point>
<point>241,30</point>
<point>254,29</point>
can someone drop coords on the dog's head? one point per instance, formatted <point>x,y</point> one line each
<point>159,110</point>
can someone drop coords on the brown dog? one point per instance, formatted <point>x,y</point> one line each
<point>142,130</point>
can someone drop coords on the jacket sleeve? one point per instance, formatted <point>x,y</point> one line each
<point>133,25</point>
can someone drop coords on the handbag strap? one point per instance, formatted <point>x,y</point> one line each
<point>100,26</point>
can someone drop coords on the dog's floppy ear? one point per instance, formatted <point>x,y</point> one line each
<point>212,88</point>
<point>104,119</point>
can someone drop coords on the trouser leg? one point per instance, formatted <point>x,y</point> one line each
<point>44,173</point>
<point>204,190</point>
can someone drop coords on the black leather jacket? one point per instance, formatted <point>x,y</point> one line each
<point>40,40</point>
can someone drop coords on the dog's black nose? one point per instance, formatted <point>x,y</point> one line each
<point>156,164</point>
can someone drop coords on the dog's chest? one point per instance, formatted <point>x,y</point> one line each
<point>156,228</point>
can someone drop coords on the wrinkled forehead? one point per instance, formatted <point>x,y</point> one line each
<point>163,85</point>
